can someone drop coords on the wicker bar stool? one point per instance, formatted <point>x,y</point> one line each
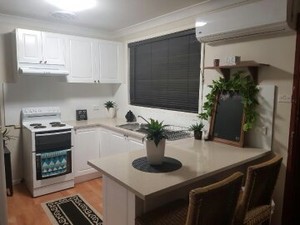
<point>214,204</point>
<point>255,202</point>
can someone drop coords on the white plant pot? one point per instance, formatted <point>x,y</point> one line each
<point>155,154</point>
<point>111,112</point>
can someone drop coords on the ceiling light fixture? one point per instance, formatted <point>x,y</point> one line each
<point>64,15</point>
<point>73,5</point>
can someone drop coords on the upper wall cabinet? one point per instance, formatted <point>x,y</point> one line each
<point>81,58</point>
<point>84,60</point>
<point>93,61</point>
<point>110,61</point>
<point>40,47</point>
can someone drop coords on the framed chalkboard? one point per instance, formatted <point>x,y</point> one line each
<point>228,118</point>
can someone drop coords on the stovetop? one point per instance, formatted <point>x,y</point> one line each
<point>38,119</point>
<point>38,126</point>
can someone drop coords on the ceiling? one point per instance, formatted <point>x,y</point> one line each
<point>109,15</point>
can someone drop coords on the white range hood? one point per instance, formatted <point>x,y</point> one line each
<point>32,70</point>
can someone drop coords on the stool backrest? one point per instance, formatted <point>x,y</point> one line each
<point>259,186</point>
<point>215,204</point>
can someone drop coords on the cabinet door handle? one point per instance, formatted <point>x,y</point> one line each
<point>95,81</point>
<point>98,81</point>
<point>41,61</point>
<point>45,62</point>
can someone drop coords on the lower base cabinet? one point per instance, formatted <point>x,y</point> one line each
<point>113,143</point>
<point>96,142</point>
<point>86,147</point>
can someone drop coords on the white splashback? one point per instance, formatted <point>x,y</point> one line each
<point>49,91</point>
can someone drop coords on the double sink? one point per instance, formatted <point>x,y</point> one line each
<point>172,132</point>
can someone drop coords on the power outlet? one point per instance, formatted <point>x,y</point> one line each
<point>284,98</point>
<point>96,107</point>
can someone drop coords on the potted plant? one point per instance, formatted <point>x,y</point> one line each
<point>197,128</point>
<point>111,108</point>
<point>242,84</point>
<point>155,141</point>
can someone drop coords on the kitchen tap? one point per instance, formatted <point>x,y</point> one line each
<point>143,118</point>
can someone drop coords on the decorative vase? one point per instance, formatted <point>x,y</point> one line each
<point>198,135</point>
<point>155,154</point>
<point>111,112</point>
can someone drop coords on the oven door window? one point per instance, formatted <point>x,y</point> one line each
<point>53,164</point>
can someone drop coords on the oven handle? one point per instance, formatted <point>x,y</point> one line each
<point>38,154</point>
<point>49,134</point>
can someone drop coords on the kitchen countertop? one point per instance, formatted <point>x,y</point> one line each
<point>105,123</point>
<point>200,159</point>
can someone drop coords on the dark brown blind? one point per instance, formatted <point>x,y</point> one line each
<point>165,72</point>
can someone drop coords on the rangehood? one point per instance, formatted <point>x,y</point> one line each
<point>50,71</point>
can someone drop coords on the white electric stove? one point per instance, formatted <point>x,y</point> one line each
<point>47,146</point>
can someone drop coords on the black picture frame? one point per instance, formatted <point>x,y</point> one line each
<point>227,120</point>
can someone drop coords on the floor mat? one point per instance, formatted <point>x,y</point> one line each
<point>72,210</point>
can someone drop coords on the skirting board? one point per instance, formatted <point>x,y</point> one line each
<point>87,177</point>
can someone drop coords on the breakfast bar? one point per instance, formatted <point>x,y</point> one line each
<point>129,192</point>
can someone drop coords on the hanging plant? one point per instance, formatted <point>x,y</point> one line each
<point>245,86</point>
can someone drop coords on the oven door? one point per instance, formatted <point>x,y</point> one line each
<point>53,164</point>
<point>53,153</point>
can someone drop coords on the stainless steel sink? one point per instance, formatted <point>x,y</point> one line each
<point>172,132</point>
<point>138,127</point>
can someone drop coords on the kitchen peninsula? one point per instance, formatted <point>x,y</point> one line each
<point>128,192</point>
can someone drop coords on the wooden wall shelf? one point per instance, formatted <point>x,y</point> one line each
<point>251,66</point>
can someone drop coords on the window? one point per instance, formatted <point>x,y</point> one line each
<point>165,72</point>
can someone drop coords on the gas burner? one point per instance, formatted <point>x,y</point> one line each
<point>58,125</point>
<point>35,124</point>
<point>39,126</point>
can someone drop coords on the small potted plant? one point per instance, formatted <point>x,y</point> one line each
<point>197,128</point>
<point>155,141</point>
<point>111,108</point>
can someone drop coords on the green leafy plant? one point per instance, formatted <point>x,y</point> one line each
<point>155,130</point>
<point>238,83</point>
<point>109,104</point>
<point>196,127</point>
<point>6,136</point>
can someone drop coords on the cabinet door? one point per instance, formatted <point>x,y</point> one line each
<point>110,62</point>
<point>105,149</point>
<point>135,144</point>
<point>53,49</point>
<point>118,143</point>
<point>29,46</point>
<point>86,148</point>
<point>81,57</point>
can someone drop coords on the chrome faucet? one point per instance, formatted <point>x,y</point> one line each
<point>143,118</point>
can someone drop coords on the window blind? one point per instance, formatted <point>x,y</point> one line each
<point>165,72</point>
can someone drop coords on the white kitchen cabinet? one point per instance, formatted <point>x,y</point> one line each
<point>36,47</point>
<point>110,61</point>
<point>86,147</point>
<point>135,144</point>
<point>112,142</point>
<point>81,57</point>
